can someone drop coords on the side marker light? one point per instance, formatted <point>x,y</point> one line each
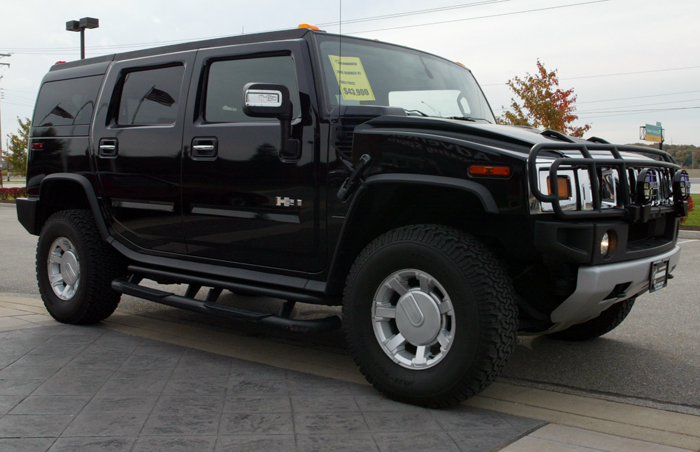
<point>497,171</point>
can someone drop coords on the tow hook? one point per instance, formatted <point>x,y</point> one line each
<point>350,184</point>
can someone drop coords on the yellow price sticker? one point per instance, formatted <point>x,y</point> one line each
<point>352,78</point>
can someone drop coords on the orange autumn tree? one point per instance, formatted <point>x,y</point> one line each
<point>542,104</point>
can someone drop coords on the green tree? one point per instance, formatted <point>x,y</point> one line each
<point>17,148</point>
<point>541,103</point>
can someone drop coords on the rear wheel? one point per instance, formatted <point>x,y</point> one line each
<point>75,269</point>
<point>429,314</point>
<point>607,321</point>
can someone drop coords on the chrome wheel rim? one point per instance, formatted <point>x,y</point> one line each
<point>413,319</point>
<point>63,268</point>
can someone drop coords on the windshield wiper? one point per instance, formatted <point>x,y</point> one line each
<point>416,111</point>
<point>431,107</point>
<point>468,118</point>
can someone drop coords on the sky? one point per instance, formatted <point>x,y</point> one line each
<point>630,62</point>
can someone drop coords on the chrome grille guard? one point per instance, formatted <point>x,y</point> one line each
<point>626,206</point>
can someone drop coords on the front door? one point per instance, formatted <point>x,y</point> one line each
<point>242,202</point>
<point>137,147</point>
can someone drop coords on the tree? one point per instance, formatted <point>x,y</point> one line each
<point>17,148</point>
<point>687,155</point>
<point>542,103</point>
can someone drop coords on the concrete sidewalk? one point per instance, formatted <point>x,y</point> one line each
<point>67,388</point>
<point>136,384</point>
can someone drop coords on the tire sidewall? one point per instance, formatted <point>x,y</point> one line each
<point>459,361</point>
<point>58,308</point>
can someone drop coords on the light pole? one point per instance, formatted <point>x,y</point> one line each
<point>81,25</point>
<point>8,65</point>
<point>1,169</point>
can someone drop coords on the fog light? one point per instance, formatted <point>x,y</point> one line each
<point>605,244</point>
<point>608,244</point>
<point>647,184</point>
<point>681,185</point>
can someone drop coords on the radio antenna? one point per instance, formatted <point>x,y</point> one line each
<point>340,63</point>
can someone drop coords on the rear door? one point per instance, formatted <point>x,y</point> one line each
<point>137,144</point>
<point>242,202</point>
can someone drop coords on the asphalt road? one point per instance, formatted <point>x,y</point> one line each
<point>652,359</point>
<point>17,250</point>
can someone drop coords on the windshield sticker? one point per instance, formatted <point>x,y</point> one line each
<point>351,78</point>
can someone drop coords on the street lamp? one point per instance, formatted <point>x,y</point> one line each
<point>81,25</point>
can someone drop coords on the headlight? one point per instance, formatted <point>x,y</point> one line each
<point>571,195</point>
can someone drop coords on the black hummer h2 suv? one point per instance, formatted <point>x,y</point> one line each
<point>333,170</point>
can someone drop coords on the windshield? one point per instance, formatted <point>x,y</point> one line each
<point>372,73</point>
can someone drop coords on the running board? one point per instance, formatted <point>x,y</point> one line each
<point>124,286</point>
<point>236,287</point>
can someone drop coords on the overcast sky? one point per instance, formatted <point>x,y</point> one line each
<point>630,62</point>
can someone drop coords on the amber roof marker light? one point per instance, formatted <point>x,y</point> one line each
<point>309,26</point>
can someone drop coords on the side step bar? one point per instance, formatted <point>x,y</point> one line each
<point>238,287</point>
<point>125,286</point>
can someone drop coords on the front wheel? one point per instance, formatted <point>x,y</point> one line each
<point>75,269</point>
<point>429,314</point>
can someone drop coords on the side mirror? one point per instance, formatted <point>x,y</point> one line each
<point>265,100</point>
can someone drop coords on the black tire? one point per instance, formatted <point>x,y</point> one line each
<point>484,313</point>
<point>91,299</point>
<point>607,321</point>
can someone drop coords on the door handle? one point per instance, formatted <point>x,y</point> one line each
<point>108,147</point>
<point>205,148</point>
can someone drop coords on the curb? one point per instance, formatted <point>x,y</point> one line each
<point>687,234</point>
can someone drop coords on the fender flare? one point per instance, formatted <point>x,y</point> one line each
<point>487,201</point>
<point>479,191</point>
<point>89,194</point>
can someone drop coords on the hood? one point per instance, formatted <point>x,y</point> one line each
<point>510,137</point>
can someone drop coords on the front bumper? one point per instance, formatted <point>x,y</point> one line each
<point>595,284</point>
<point>579,242</point>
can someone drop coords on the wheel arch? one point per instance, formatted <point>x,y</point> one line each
<point>380,205</point>
<point>66,191</point>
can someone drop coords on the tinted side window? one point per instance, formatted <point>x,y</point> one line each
<point>67,102</point>
<point>150,96</point>
<point>224,101</point>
